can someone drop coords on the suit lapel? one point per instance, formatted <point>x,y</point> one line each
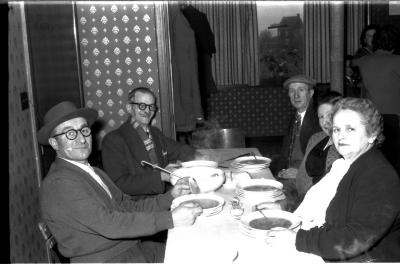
<point>133,141</point>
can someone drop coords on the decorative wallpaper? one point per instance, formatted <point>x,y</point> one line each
<point>259,111</point>
<point>26,242</point>
<point>118,47</point>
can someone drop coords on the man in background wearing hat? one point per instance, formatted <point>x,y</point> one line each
<point>302,126</point>
<point>91,219</point>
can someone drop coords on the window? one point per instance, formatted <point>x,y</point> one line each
<point>280,40</point>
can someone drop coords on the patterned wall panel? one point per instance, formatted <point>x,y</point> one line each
<point>259,111</point>
<point>26,243</point>
<point>118,50</point>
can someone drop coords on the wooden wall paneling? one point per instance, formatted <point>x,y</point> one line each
<point>26,242</point>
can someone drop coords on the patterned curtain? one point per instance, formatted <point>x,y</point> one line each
<point>356,21</point>
<point>317,40</point>
<point>235,28</point>
<point>118,50</point>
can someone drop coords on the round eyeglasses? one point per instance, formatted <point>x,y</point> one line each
<point>73,133</point>
<point>143,106</point>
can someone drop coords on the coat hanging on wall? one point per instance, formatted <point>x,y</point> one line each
<point>187,106</point>
<point>205,44</point>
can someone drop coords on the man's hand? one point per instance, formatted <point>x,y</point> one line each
<point>181,188</point>
<point>289,173</point>
<point>186,214</point>
<point>170,167</point>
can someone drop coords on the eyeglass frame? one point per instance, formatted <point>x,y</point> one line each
<point>140,106</point>
<point>76,133</point>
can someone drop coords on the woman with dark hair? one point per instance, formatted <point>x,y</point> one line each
<point>353,213</point>
<point>320,152</point>
<point>366,38</point>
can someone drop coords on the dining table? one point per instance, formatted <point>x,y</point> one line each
<point>217,238</point>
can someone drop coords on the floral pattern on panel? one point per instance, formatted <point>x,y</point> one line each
<point>117,43</point>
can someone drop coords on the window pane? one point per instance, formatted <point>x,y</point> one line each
<point>280,40</point>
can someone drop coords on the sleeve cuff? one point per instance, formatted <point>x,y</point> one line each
<point>164,220</point>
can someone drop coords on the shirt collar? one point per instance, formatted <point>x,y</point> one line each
<point>302,114</point>
<point>79,164</point>
<point>136,125</point>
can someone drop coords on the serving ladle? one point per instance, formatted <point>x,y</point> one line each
<point>194,187</point>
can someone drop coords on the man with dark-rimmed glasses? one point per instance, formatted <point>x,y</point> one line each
<point>124,148</point>
<point>91,219</point>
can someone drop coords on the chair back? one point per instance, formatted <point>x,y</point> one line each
<point>219,138</point>
<point>53,255</point>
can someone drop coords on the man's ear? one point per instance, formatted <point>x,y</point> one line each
<point>53,143</point>
<point>129,108</point>
<point>311,92</point>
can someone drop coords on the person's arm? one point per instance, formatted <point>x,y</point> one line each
<point>80,207</point>
<point>126,172</point>
<point>370,216</point>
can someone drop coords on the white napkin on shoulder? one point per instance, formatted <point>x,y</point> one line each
<point>313,208</point>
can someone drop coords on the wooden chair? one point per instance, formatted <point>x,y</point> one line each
<point>53,255</point>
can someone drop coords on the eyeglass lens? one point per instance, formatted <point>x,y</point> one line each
<point>142,106</point>
<point>73,134</point>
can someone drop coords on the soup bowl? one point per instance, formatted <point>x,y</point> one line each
<point>208,179</point>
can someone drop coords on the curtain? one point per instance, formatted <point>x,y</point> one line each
<point>356,21</point>
<point>317,40</point>
<point>235,29</point>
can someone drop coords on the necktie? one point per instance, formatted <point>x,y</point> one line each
<point>295,133</point>
<point>147,141</point>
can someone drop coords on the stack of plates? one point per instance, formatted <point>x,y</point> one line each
<point>251,163</point>
<point>256,225</point>
<point>254,191</point>
<point>212,204</point>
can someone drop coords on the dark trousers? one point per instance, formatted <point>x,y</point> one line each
<point>391,146</point>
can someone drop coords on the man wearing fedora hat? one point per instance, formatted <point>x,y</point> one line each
<point>91,219</point>
<point>301,127</point>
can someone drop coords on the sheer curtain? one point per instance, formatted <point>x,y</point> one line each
<point>235,29</point>
<point>317,37</point>
<point>317,40</point>
<point>356,21</point>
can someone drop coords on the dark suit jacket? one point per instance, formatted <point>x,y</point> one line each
<point>123,150</point>
<point>87,224</point>
<point>309,127</point>
<point>363,216</point>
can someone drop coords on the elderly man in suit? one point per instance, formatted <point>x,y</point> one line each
<point>302,126</point>
<point>91,219</point>
<point>124,148</point>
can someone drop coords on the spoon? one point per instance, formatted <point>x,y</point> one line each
<point>245,154</point>
<point>143,162</point>
<point>194,187</point>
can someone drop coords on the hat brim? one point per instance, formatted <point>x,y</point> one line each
<point>44,133</point>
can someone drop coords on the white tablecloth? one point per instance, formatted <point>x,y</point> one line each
<point>217,239</point>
